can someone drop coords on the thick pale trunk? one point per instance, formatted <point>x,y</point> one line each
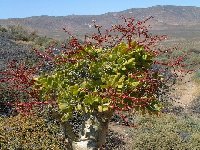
<point>93,132</point>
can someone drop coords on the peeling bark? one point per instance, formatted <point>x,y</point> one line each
<point>93,132</point>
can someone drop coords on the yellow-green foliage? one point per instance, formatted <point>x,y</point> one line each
<point>86,83</point>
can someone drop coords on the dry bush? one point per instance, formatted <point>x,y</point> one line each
<point>166,132</point>
<point>30,132</point>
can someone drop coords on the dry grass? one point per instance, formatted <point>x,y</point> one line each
<point>165,133</point>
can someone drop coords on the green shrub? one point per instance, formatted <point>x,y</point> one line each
<point>82,84</point>
<point>18,33</point>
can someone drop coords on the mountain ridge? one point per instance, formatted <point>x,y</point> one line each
<point>166,17</point>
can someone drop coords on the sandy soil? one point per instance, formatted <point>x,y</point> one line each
<point>186,91</point>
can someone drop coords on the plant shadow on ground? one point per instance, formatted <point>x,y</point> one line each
<point>114,141</point>
<point>195,106</point>
<point>176,110</point>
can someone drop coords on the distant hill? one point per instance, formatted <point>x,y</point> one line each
<point>166,19</point>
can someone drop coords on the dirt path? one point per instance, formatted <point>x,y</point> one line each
<point>185,91</point>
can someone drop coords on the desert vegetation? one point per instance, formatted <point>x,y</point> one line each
<point>116,85</point>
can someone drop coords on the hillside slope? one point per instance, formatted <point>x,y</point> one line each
<point>166,18</point>
<point>10,50</point>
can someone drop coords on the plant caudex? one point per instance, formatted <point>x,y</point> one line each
<point>101,79</point>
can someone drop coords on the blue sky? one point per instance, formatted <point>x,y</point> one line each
<point>27,8</point>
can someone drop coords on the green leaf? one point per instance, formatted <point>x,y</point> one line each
<point>120,86</point>
<point>134,84</point>
<point>65,117</point>
<point>89,99</point>
<point>97,99</point>
<point>121,80</point>
<point>78,107</point>
<point>120,60</point>
<point>115,79</point>
<point>84,84</point>
<point>102,108</point>
<point>75,90</point>
<point>63,106</point>
<point>144,56</point>
<point>130,61</point>
<point>124,68</point>
<point>49,81</point>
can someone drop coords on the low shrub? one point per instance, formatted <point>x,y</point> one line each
<point>30,132</point>
<point>168,132</point>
